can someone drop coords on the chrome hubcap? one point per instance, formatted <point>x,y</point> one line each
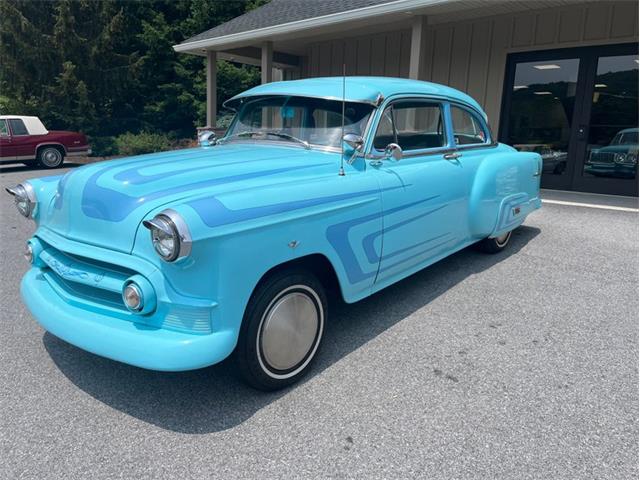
<point>503,239</point>
<point>51,157</point>
<point>289,332</point>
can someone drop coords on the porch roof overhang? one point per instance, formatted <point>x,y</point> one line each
<point>375,15</point>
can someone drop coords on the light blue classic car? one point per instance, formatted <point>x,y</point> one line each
<point>176,260</point>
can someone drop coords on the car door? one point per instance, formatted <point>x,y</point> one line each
<point>423,194</point>
<point>22,143</point>
<point>7,152</point>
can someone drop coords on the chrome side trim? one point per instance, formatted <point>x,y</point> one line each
<point>80,153</point>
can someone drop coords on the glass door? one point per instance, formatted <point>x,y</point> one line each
<point>577,108</point>
<point>609,143</point>
<point>541,113</point>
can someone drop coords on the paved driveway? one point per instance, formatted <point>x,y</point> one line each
<point>515,366</point>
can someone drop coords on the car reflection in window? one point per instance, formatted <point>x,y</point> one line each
<point>618,159</point>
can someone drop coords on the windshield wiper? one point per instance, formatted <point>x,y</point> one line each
<point>275,134</point>
<point>289,137</point>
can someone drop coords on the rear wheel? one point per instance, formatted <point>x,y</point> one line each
<point>494,245</point>
<point>281,330</point>
<point>50,157</point>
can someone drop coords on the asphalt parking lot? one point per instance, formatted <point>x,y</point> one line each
<point>514,366</point>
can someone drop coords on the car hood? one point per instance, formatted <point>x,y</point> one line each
<point>104,203</point>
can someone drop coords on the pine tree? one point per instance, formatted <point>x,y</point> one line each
<point>107,67</point>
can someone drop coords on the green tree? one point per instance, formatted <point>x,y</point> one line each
<point>107,67</point>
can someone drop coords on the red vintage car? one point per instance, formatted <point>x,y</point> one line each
<point>25,139</point>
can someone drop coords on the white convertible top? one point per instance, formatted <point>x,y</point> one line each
<point>33,124</point>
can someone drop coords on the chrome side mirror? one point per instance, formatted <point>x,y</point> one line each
<point>207,138</point>
<point>393,150</point>
<point>352,142</point>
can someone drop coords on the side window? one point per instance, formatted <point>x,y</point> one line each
<point>17,127</point>
<point>4,131</point>
<point>467,130</point>
<point>413,125</point>
<point>385,133</point>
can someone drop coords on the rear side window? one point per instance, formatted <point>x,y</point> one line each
<point>412,125</point>
<point>4,131</point>
<point>467,130</point>
<point>17,127</point>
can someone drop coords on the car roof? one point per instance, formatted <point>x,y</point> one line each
<point>33,124</point>
<point>22,117</point>
<point>357,89</point>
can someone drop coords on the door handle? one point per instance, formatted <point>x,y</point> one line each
<point>452,156</point>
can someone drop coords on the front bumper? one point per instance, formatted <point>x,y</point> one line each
<point>122,340</point>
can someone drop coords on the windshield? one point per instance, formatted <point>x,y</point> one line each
<point>626,138</point>
<point>302,120</point>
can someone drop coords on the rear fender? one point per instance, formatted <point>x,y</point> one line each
<point>505,190</point>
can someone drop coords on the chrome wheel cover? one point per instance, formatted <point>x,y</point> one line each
<point>290,331</point>
<point>51,157</point>
<point>502,240</point>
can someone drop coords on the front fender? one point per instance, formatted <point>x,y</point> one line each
<point>239,236</point>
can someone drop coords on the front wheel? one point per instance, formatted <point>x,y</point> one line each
<point>281,330</point>
<point>50,157</point>
<point>494,245</point>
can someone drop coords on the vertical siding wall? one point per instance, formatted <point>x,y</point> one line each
<point>471,55</point>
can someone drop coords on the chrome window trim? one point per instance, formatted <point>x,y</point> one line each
<point>481,121</point>
<point>411,153</point>
<point>313,146</point>
<point>11,128</point>
<point>375,102</point>
<point>374,153</point>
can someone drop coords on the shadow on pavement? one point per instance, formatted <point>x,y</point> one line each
<point>213,399</point>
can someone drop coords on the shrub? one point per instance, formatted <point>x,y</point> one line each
<point>145,142</point>
<point>103,146</point>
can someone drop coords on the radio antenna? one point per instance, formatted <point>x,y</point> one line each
<point>344,81</point>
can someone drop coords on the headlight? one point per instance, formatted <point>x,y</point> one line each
<point>25,198</point>
<point>169,235</point>
<point>620,158</point>
<point>132,297</point>
<point>138,295</point>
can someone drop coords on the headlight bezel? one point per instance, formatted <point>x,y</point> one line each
<point>170,223</point>
<point>24,193</point>
<point>138,291</point>
<point>620,157</point>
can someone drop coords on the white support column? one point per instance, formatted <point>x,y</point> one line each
<point>418,35</point>
<point>212,97</point>
<point>266,63</point>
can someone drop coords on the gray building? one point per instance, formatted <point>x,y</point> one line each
<point>559,77</point>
